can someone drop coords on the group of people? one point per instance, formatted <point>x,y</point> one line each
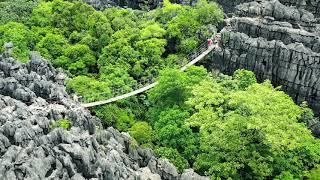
<point>217,38</point>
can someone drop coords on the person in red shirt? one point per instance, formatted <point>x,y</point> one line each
<point>210,42</point>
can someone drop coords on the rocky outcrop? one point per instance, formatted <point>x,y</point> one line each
<point>134,4</point>
<point>312,6</point>
<point>32,97</point>
<point>278,42</point>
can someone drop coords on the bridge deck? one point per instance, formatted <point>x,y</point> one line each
<point>145,88</point>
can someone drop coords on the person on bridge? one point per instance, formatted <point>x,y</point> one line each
<point>210,42</point>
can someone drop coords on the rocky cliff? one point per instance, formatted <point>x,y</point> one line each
<point>134,4</point>
<point>228,5</point>
<point>312,6</point>
<point>277,42</point>
<point>32,98</point>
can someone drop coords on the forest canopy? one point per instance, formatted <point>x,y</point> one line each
<point>221,126</point>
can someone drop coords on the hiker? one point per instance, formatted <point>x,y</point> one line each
<point>210,42</point>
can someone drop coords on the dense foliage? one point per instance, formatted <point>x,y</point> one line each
<point>231,127</point>
<point>111,52</point>
<point>16,10</point>
<point>222,126</point>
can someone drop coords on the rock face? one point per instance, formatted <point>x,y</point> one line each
<point>134,4</point>
<point>277,42</point>
<point>31,99</point>
<point>312,6</point>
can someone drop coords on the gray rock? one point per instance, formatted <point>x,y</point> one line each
<point>189,174</point>
<point>31,98</point>
<point>146,174</point>
<point>8,45</point>
<point>135,4</point>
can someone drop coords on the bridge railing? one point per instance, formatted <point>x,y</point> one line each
<point>196,52</point>
<point>145,82</point>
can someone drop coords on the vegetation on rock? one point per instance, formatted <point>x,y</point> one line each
<point>62,123</point>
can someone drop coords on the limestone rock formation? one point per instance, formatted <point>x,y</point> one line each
<point>31,99</point>
<point>278,42</point>
<point>312,6</point>
<point>134,4</point>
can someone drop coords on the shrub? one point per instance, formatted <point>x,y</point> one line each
<point>62,123</point>
<point>142,132</point>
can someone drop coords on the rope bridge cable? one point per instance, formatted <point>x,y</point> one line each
<point>197,55</point>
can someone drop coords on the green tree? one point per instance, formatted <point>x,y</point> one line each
<point>77,59</point>
<point>89,88</point>
<point>16,10</point>
<point>42,15</point>
<point>142,132</point>
<point>117,78</point>
<point>52,46</point>
<point>314,174</point>
<point>113,115</point>
<point>171,131</point>
<point>245,78</point>
<point>21,37</point>
<point>172,89</point>
<point>252,136</point>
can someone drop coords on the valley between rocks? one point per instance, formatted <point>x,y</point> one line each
<point>32,96</point>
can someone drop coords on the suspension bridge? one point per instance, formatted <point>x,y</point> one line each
<point>197,55</point>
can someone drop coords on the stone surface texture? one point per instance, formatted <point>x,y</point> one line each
<point>31,99</point>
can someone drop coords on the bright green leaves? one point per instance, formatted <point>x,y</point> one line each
<point>249,130</point>
<point>142,132</point>
<point>168,12</point>
<point>21,37</point>
<point>245,78</point>
<point>98,90</point>
<point>172,89</point>
<point>112,115</point>
<point>207,94</point>
<point>52,46</point>
<point>184,25</point>
<point>230,127</point>
<point>117,78</point>
<point>62,123</point>
<point>42,15</point>
<point>137,50</point>
<point>78,59</point>
<point>168,113</point>
<point>67,16</point>
<point>314,174</point>
<point>152,30</point>
<point>171,131</point>
<point>184,22</point>
<point>16,10</point>
<point>208,13</point>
